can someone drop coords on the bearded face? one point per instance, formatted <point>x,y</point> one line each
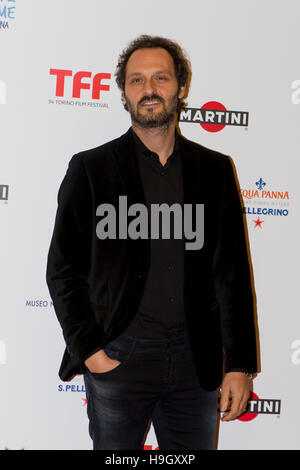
<point>151,93</point>
<point>152,111</point>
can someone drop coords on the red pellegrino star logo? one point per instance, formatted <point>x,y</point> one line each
<point>258,222</point>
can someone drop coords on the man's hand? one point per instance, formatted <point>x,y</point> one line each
<point>100,362</point>
<point>235,387</point>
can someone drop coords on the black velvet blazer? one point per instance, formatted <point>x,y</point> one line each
<point>96,285</point>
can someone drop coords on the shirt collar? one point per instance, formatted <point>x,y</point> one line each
<point>142,149</point>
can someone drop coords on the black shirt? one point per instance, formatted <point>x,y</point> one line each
<point>161,310</point>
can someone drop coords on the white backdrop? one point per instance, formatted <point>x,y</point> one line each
<point>245,56</point>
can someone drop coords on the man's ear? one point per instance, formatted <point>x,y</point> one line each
<point>181,92</point>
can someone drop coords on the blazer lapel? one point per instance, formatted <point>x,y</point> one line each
<point>127,163</point>
<point>190,172</point>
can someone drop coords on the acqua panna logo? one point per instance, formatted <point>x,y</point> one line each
<point>257,201</point>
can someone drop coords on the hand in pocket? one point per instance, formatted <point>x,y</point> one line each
<point>100,362</point>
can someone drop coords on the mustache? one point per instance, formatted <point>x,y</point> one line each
<point>150,98</point>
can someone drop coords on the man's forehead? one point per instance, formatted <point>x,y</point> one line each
<point>150,57</point>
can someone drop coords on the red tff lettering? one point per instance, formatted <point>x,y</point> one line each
<point>78,84</point>
<point>60,80</point>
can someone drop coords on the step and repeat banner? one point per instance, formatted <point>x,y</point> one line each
<point>58,97</point>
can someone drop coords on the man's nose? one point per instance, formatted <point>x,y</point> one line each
<point>149,86</point>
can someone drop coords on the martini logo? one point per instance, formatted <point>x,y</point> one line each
<point>3,192</point>
<point>79,85</point>
<point>213,116</point>
<point>260,406</point>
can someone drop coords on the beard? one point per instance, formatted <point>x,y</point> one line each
<point>151,118</point>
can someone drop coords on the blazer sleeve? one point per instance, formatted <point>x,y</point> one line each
<point>68,264</point>
<point>232,280</point>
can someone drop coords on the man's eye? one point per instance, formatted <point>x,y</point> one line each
<point>162,78</point>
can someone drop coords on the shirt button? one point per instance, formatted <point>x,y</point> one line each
<point>171,299</point>
<point>169,267</point>
<point>163,173</point>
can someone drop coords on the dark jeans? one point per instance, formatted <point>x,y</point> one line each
<point>155,380</point>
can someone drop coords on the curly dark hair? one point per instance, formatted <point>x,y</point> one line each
<point>181,62</point>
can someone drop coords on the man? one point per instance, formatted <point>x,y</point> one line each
<point>148,320</point>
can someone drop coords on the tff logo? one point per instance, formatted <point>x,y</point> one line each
<point>78,84</point>
<point>213,116</point>
<point>260,406</point>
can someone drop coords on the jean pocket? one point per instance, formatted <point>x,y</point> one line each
<point>112,354</point>
<point>107,372</point>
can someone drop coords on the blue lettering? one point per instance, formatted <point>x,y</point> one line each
<point>7,12</point>
<point>36,303</point>
<point>253,211</point>
<point>11,12</point>
<point>72,388</point>
<point>265,211</point>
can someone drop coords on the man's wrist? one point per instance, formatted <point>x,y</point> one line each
<point>95,356</point>
<point>249,373</point>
